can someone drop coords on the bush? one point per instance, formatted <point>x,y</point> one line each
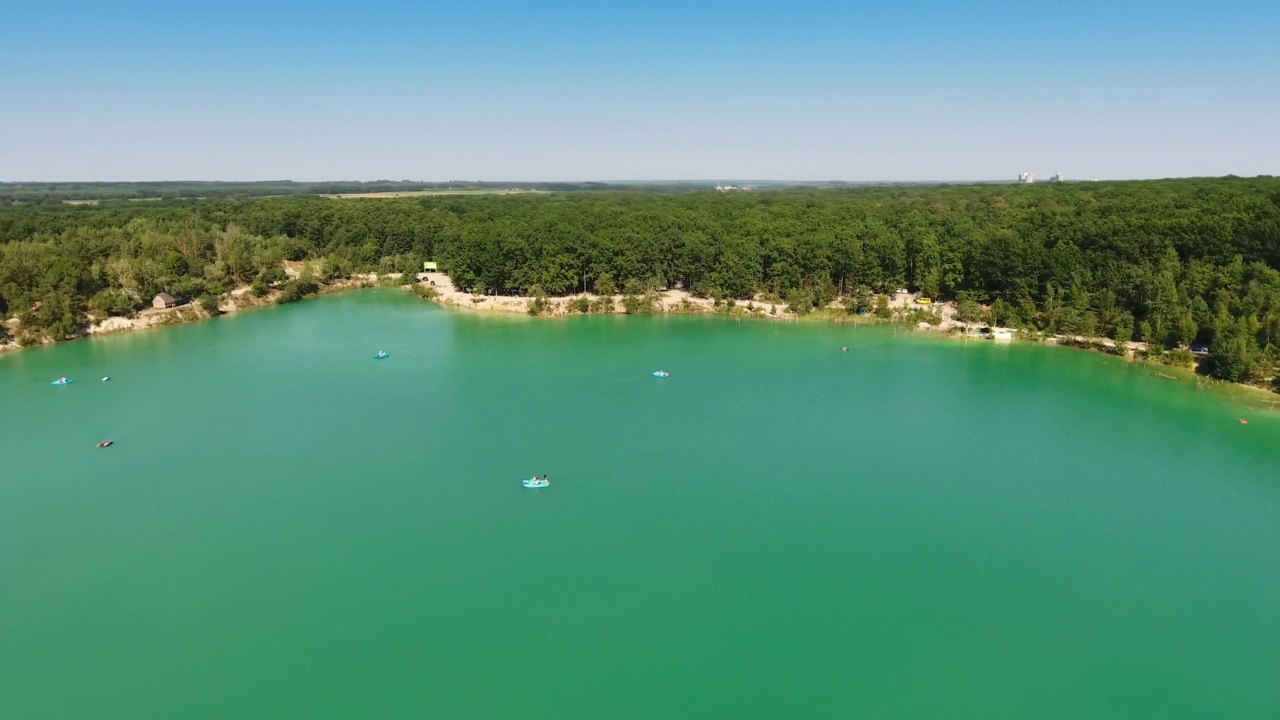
<point>968,311</point>
<point>333,267</point>
<point>639,300</point>
<point>646,304</point>
<point>919,315</point>
<point>800,301</point>
<point>426,292</point>
<point>580,305</point>
<point>298,289</point>
<point>266,278</point>
<point>209,303</point>
<point>604,285</point>
<point>186,287</point>
<point>1178,356</point>
<point>603,306</point>
<point>289,292</point>
<point>113,302</point>
<point>1005,315</point>
<point>538,305</point>
<point>859,300</point>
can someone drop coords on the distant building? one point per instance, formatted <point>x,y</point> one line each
<point>1026,178</point>
<point>164,301</point>
<point>1057,178</point>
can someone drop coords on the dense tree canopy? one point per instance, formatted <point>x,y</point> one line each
<point>1170,262</point>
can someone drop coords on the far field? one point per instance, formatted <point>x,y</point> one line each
<point>412,193</point>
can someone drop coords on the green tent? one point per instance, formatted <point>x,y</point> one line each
<point>430,266</point>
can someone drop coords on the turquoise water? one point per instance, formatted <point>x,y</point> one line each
<point>286,527</point>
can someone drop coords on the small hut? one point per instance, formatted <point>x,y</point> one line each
<point>164,301</point>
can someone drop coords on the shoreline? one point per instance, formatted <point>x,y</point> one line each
<point>239,300</point>
<point>680,302</point>
<point>438,288</point>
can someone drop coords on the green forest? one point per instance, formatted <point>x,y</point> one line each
<point>1174,263</point>
<point>44,193</point>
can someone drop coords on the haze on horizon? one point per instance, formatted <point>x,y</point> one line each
<point>923,90</point>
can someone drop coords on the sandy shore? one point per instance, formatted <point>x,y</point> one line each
<point>447,294</point>
<point>667,301</point>
<point>237,300</point>
<point>680,301</point>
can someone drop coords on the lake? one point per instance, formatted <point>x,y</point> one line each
<point>286,527</point>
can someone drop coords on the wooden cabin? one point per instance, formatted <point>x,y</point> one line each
<point>163,301</point>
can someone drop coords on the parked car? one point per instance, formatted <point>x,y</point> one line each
<point>1199,348</point>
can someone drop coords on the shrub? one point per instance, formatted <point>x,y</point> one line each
<point>298,289</point>
<point>274,274</point>
<point>639,300</point>
<point>646,304</point>
<point>538,305</point>
<point>968,311</point>
<point>604,285</point>
<point>334,267</point>
<point>801,301</point>
<point>289,292</point>
<point>859,300</point>
<point>209,303</point>
<point>113,302</point>
<point>580,305</point>
<point>1005,315</point>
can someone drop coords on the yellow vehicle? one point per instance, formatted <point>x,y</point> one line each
<point>924,301</point>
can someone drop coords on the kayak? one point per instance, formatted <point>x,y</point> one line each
<point>381,355</point>
<point>536,483</point>
<point>661,374</point>
<point>62,382</point>
<point>106,443</point>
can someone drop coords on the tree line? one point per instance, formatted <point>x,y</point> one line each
<point>45,193</point>
<point>1174,263</point>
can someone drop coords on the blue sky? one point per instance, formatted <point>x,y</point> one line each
<point>660,90</point>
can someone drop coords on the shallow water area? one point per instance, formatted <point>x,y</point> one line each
<point>287,527</point>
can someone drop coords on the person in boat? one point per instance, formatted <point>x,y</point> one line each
<point>545,481</point>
